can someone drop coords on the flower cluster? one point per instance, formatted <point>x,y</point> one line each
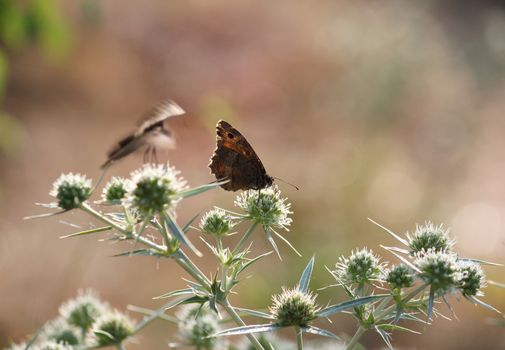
<point>154,188</point>
<point>266,207</point>
<point>115,190</point>
<point>216,223</point>
<point>84,322</point>
<point>196,325</point>
<point>361,267</point>
<point>293,307</point>
<point>429,237</point>
<point>399,276</point>
<point>71,190</point>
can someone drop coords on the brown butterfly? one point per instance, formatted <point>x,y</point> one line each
<point>235,160</point>
<point>150,135</point>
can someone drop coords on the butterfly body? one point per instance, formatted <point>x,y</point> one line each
<point>236,161</point>
<point>151,134</point>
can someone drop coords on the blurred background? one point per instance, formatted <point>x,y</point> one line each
<point>392,110</point>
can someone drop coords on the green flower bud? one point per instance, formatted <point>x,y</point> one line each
<point>294,308</point>
<point>400,276</point>
<point>472,278</point>
<point>216,222</point>
<point>111,328</point>
<point>82,311</point>
<point>115,190</point>
<point>60,331</point>
<point>71,190</point>
<point>196,325</point>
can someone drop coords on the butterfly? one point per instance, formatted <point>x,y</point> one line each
<point>235,160</point>
<point>150,135</point>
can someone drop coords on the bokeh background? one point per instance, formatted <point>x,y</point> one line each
<point>386,109</point>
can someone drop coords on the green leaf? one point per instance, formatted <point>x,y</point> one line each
<point>141,252</point>
<point>252,261</point>
<point>303,285</point>
<point>287,242</point>
<point>179,233</point>
<point>319,331</point>
<point>394,327</point>
<point>260,328</point>
<point>87,232</point>
<point>330,310</point>
<point>155,314</point>
<point>482,262</point>
<point>175,293</point>
<point>254,313</point>
<point>481,303</point>
<point>200,189</point>
<point>149,312</point>
<point>385,337</point>
<point>390,232</point>
<point>186,227</point>
<point>403,259</point>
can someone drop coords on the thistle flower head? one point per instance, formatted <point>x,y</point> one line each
<point>60,331</point>
<point>196,325</point>
<point>293,307</point>
<point>154,188</point>
<point>19,346</point>
<point>111,328</point>
<point>361,267</point>
<point>82,311</point>
<point>472,278</point>
<point>265,207</point>
<point>216,222</point>
<point>51,345</point>
<point>71,190</point>
<point>439,269</point>
<point>399,276</point>
<point>430,237</point>
<point>115,189</point>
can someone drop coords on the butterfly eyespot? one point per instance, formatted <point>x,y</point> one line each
<point>230,135</point>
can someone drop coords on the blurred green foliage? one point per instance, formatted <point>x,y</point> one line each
<point>22,24</point>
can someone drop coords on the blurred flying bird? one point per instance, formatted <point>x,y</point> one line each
<point>150,135</point>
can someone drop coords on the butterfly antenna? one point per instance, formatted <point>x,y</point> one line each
<point>288,183</point>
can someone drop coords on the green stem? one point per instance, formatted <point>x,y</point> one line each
<point>299,338</point>
<point>235,316</point>
<point>354,340</point>
<point>185,262</point>
<point>244,238</point>
<point>120,346</point>
<point>182,260</point>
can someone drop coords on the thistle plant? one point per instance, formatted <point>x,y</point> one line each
<point>142,210</point>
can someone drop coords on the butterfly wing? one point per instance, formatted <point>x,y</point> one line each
<point>235,160</point>
<point>158,115</point>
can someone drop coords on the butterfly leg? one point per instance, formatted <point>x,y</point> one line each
<point>155,158</point>
<point>146,154</point>
<point>258,198</point>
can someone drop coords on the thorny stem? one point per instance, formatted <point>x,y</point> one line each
<point>385,311</point>
<point>299,338</point>
<point>354,340</point>
<point>245,237</point>
<point>233,314</point>
<point>182,260</point>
